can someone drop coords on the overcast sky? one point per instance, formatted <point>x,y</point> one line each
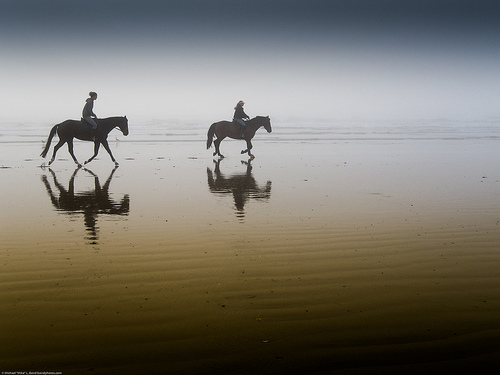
<point>193,60</point>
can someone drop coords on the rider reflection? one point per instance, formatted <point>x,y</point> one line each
<point>242,186</point>
<point>91,203</point>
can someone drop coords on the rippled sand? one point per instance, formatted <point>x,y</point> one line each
<point>338,249</point>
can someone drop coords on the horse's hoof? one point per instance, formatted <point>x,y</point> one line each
<point>243,151</point>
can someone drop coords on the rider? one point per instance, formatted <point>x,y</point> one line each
<point>88,112</point>
<point>239,115</point>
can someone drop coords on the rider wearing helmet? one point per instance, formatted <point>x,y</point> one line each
<point>239,116</point>
<point>88,111</point>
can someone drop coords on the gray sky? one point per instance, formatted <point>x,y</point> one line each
<point>193,60</point>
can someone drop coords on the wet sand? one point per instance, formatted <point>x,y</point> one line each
<point>346,249</point>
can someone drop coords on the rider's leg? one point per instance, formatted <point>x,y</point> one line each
<point>93,131</point>
<point>242,126</point>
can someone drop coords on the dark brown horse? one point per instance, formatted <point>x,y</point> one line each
<point>223,129</point>
<point>70,129</point>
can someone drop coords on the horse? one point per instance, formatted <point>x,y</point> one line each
<point>70,129</point>
<point>223,129</point>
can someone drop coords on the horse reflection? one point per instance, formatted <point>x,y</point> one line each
<point>242,186</point>
<point>91,203</point>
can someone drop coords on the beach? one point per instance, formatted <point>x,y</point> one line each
<point>346,247</point>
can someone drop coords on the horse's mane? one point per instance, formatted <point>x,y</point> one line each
<point>259,117</point>
<point>113,118</point>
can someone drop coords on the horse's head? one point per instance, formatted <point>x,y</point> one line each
<point>267,124</point>
<point>123,125</point>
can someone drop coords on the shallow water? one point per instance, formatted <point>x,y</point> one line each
<point>354,248</point>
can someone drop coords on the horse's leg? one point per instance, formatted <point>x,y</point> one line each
<point>249,147</point>
<point>70,149</point>
<point>216,144</point>
<point>56,147</point>
<point>96,151</point>
<point>106,146</point>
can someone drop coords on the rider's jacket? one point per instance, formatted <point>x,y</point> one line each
<point>88,110</point>
<point>240,113</point>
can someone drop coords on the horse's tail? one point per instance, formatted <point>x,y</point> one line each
<point>210,135</point>
<point>47,145</point>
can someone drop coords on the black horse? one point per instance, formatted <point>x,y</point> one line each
<point>70,129</point>
<point>223,129</point>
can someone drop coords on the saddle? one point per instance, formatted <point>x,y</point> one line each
<point>88,127</point>
<point>241,128</point>
<point>237,123</point>
<point>85,122</point>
